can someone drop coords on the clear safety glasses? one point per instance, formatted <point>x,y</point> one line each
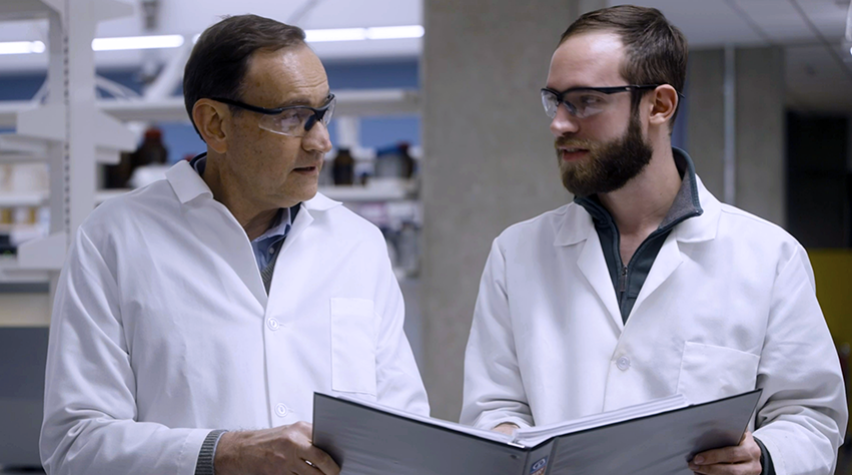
<point>293,121</point>
<point>583,102</point>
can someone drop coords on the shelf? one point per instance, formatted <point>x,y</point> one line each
<point>35,9</point>
<point>15,157</point>
<point>21,148</point>
<point>46,253</point>
<point>11,200</point>
<point>38,127</point>
<point>349,194</point>
<point>40,130</point>
<point>34,198</point>
<point>166,110</point>
<point>393,191</point>
<point>373,102</point>
<point>11,273</point>
<point>28,9</point>
<point>9,111</point>
<point>22,145</point>
<point>361,103</point>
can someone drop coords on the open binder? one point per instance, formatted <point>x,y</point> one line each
<point>654,438</point>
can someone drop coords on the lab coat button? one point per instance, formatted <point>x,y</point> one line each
<point>623,363</point>
<point>273,324</point>
<point>281,410</point>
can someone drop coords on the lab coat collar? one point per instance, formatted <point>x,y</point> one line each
<point>704,227</point>
<point>574,224</point>
<point>188,185</point>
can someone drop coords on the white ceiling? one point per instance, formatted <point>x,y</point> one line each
<point>190,17</point>
<point>819,66</point>
<point>717,22</point>
<point>818,61</point>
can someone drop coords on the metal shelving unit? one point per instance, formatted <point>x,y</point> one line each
<point>72,131</point>
<point>67,131</point>
<point>360,103</point>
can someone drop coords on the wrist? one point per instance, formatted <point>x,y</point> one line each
<point>226,458</point>
<point>204,463</point>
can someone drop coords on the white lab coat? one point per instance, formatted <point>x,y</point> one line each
<point>162,329</point>
<point>728,306</point>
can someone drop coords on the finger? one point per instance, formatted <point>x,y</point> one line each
<point>321,461</point>
<point>724,455</point>
<point>305,467</point>
<point>303,428</point>
<point>750,468</point>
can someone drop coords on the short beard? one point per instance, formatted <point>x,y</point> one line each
<point>609,166</point>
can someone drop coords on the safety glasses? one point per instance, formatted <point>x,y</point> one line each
<point>292,121</point>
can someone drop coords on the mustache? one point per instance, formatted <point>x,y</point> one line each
<point>568,142</point>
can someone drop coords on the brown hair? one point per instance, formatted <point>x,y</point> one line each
<point>656,51</point>
<point>219,59</point>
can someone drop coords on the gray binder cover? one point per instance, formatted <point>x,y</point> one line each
<point>366,440</point>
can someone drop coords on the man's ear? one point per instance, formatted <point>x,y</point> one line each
<point>211,118</point>
<point>664,104</point>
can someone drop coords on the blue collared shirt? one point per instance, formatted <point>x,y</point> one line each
<point>263,246</point>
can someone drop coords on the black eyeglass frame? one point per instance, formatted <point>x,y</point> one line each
<point>319,112</point>
<point>560,96</point>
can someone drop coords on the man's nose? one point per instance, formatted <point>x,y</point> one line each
<point>317,139</point>
<point>563,122</point>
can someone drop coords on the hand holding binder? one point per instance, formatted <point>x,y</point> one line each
<point>744,458</point>
<point>655,438</point>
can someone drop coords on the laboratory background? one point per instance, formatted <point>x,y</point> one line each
<point>439,139</point>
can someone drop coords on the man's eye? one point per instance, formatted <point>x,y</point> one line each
<point>289,117</point>
<point>590,100</point>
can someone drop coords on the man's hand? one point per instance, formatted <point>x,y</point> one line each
<point>744,459</point>
<point>282,450</point>
<point>506,428</point>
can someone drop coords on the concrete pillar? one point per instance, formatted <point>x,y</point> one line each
<point>760,164</point>
<point>705,120</point>
<point>761,167</point>
<point>489,158</point>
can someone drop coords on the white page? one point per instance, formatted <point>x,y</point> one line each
<point>485,434</point>
<point>536,435</point>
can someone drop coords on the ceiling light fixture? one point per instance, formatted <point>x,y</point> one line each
<point>394,32</point>
<point>137,42</point>
<point>175,41</point>
<point>358,34</point>
<point>21,47</point>
<point>336,34</point>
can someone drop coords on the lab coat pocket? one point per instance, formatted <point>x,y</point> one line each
<point>353,346</point>
<point>710,372</point>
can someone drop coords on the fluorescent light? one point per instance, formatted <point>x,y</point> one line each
<point>357,34</point>
<point>137,42</point>
<point>21,47</point>
<point>174,41</point>
<point>336,34</point>
<point>394,32</point>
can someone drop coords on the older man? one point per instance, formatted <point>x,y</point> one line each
<point>647,285</point>
<point>195,317</point>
